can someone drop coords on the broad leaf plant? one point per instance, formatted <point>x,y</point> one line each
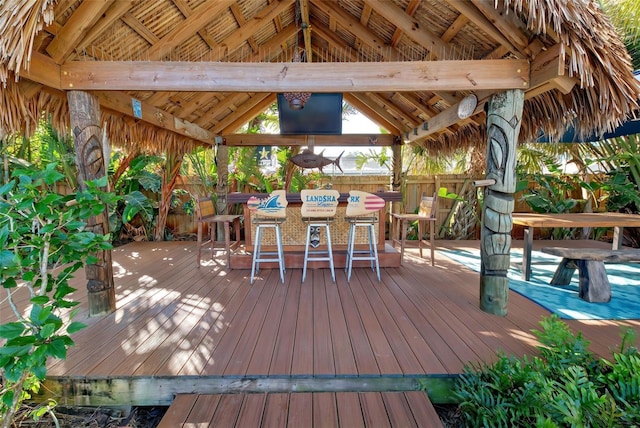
<point>44,240</point>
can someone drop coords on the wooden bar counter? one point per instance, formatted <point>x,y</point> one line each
<point>294,229</point>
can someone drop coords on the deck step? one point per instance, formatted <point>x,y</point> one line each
<point>302,409</point>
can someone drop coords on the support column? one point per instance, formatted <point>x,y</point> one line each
<point>222,189</point>
<point>504,117</point>
<point>84,110</point>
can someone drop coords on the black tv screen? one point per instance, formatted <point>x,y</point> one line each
<point>322,114</point>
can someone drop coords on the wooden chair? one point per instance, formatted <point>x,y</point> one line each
<point>318,210</point>
<point>206,214</point>
<point>270,213</point>
<point>427,213</point>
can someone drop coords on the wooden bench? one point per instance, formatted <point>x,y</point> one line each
<point>593,282</point>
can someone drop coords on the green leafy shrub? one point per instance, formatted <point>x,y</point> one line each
<point>43,242</point>
<point>565,386</point>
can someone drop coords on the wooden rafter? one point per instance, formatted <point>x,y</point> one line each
<point>380,140</point>
<point>190,26</point>
<point>75,29</point>
<point>250,109</point>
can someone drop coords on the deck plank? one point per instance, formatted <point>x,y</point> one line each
<point>175,320</point>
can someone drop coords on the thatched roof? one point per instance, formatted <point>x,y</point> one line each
<point>201,69</point>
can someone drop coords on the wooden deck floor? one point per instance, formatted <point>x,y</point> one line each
<point>295,410</point>
<point>210,327</point>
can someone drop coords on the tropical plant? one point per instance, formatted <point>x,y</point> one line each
<point>43,242</point>
<point>135,210</point>
<point>565,385</point>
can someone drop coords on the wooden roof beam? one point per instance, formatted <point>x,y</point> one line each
<point>396,126</point>
<point>198,20</point>
<point>312,77</point>
<point>75,29</point>
<point>447,118</point>
<point>357,29</point>
<point>248,140</point>
<point>413,30</point>
<point>44,71</point>
<point>186,10</point>
<point>548,71</point>
<point>507,24</point>
<point>111,15</point>
<point>306,29</point>
<point>246,31</point>
<point>369,112</point>
<point>123,103</point>
<point>250,109</point>
<point>229,102</point>
<point>393,109</point>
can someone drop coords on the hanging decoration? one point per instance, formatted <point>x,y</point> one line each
<point>297,100</point>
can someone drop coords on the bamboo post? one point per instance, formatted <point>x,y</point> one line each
<point>84,111</point>
<point>504,117</point>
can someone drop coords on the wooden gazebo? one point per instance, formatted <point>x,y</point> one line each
<point>167,75</point>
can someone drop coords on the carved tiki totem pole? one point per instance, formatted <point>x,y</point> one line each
<point>504,115</point>
<point>84,110</point>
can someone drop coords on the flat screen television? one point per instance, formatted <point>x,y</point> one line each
<point>321,115</point>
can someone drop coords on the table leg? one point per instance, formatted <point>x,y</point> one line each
<point>526,253</point>
<point>403,238</point>
<point>227,242</point>
<point>617,237</point>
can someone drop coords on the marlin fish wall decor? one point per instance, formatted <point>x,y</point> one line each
<point>308,159</point>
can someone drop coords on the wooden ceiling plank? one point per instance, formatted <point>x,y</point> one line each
<point>455,28</point>
<point>229,102</point>
<point>370,113</point>
<point>237,14</point>
<point>274,46</point>
<point>377,108</point>
<point>474,15</point>
<point>199,19</point>
<point>506,25</point>
<point>393,109</point>
<point>311,77</point>
<point>413,30</point>
<point>139,28</point>
<point>411,9</point>
<point>425,110</point>
<point>186,10</point>
<point>76,27</point>
<point>195,103</point>
<point>122,103</point>
<point>248,140</point>
<point>247,111</point>
<point>361,32</point>
<point>242,34</point>
<point>334,41</point>
<point>111,15</point>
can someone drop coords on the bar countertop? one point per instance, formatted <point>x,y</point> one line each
<point>292,198</point>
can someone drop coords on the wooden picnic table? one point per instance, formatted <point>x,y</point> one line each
<point>568,220</point>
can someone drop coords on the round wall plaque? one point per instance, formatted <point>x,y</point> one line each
<point>467,106</point>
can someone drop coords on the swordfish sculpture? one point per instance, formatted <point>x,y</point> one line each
<point>308,159</point>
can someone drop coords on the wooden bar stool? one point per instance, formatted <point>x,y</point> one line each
<point>427,213</point>
<point>318,210</point>
<point>270,213</point>
<point>361,209</point>
<point>205,213</point>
